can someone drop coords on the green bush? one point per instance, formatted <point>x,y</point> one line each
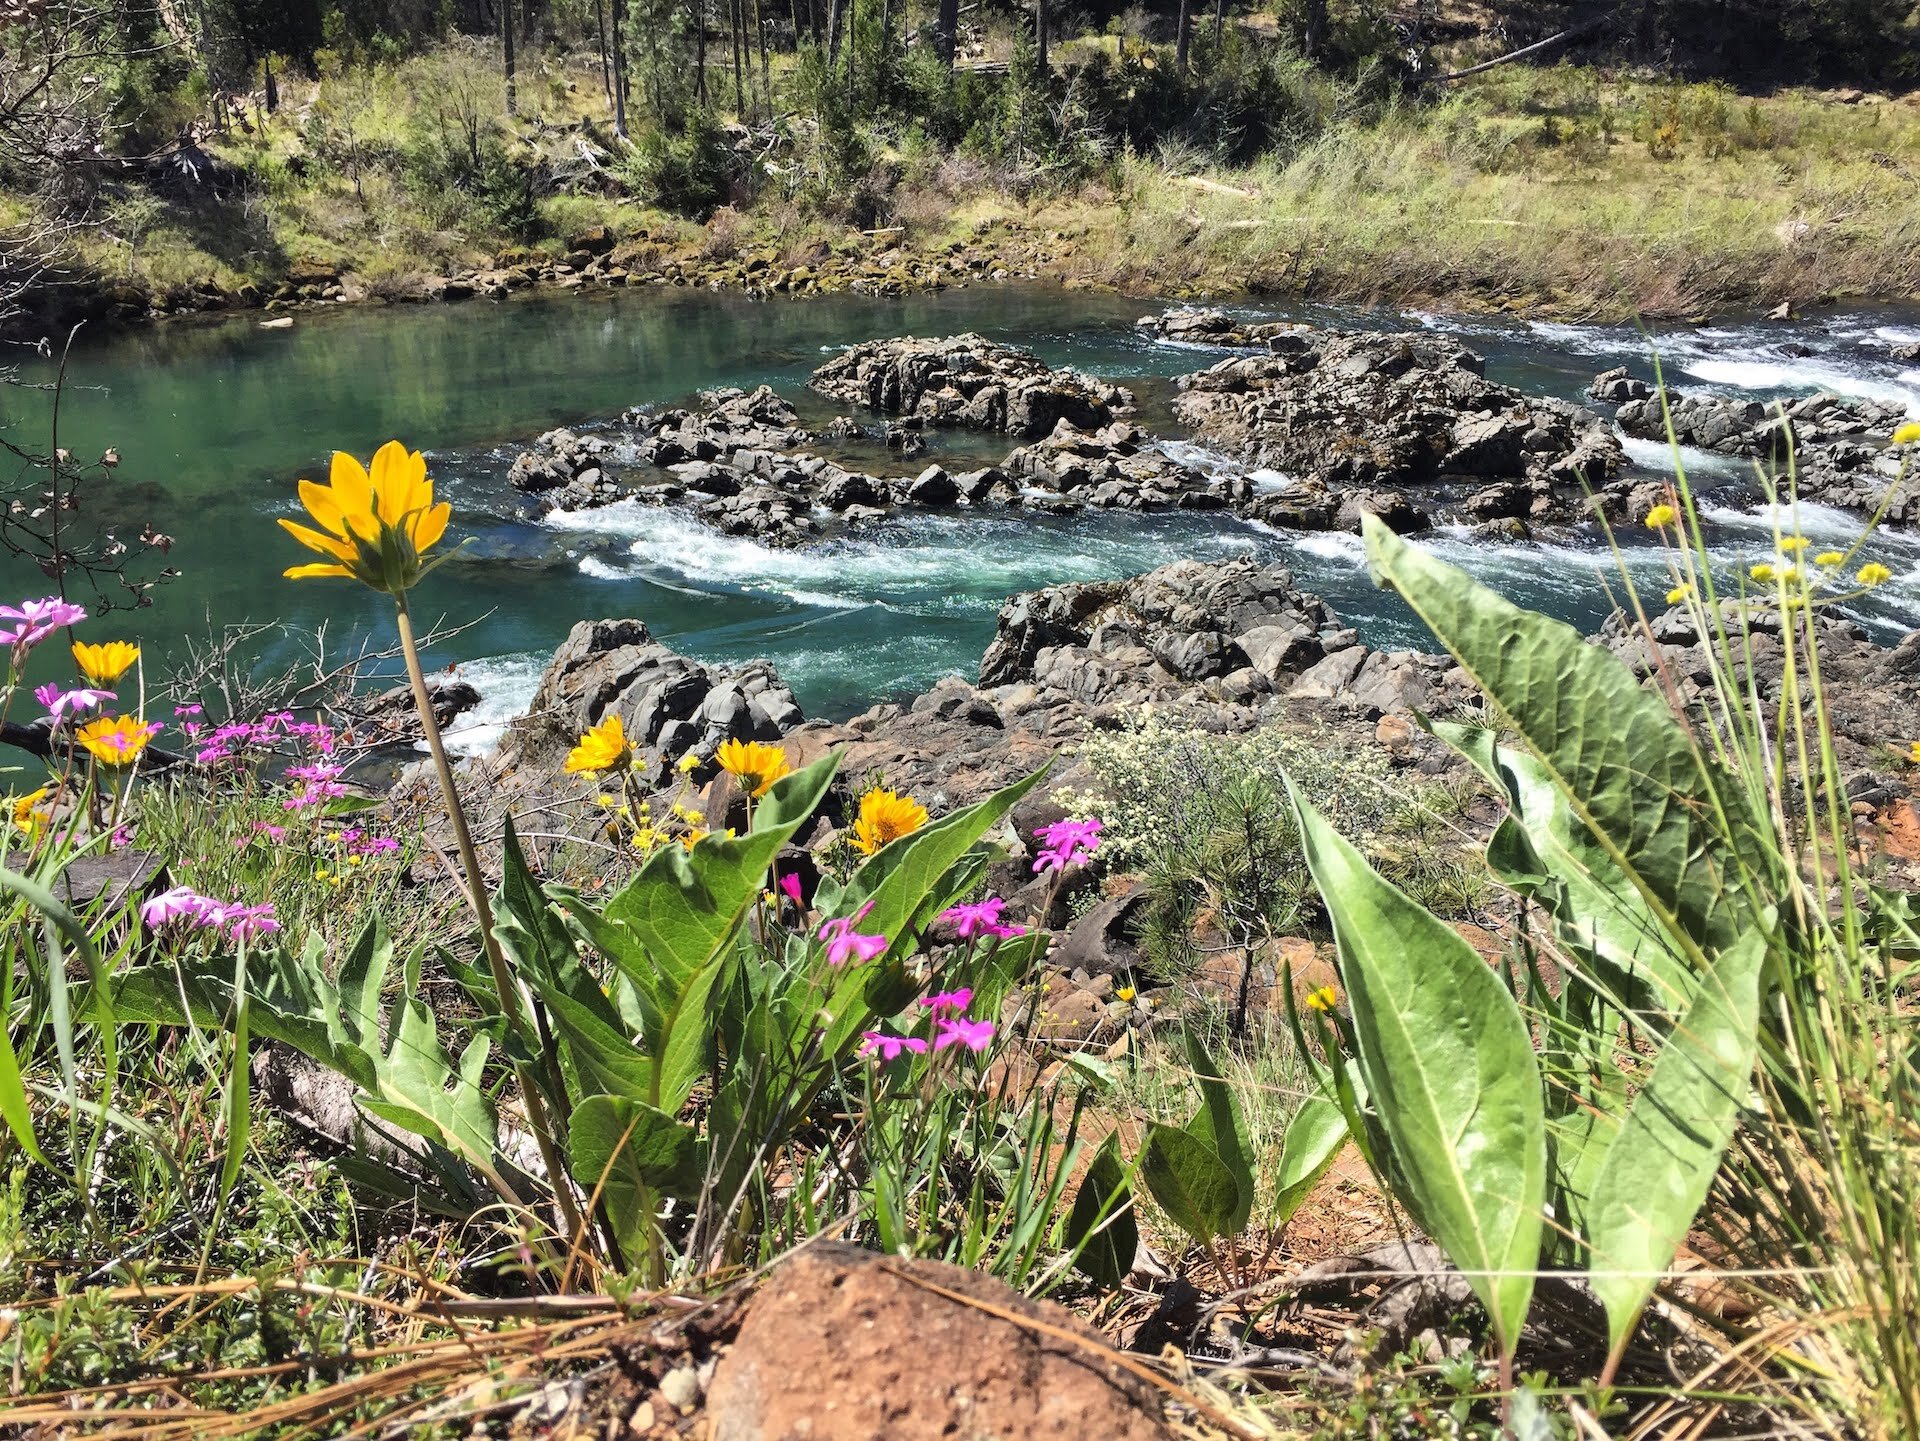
<point>688,170</point>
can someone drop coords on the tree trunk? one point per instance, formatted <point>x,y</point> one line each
<point>735,9</point>
<point>699,8</point>
<point>766,66</point>
<point>1040,40</point>
<point>835,17</point>
<point>606,60</point>
<point>853,54</point>
<point>619,69</point>
<point>506,50</point>
<point>272,85</point>
<point>946,31</point>
<point>1183,37</point>
<point>1316,27</point>
<point>1219,23</point>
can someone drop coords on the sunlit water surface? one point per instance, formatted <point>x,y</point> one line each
<point>215,422</point>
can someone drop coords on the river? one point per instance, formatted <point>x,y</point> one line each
<point>215,421</point>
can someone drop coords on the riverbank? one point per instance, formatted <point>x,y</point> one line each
<point>1567,193</point>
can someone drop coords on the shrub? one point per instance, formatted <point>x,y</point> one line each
<point>688,170</point>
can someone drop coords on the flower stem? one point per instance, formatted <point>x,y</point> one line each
<point>505,984</point>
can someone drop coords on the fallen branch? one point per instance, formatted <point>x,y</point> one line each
<point>1572,32</point>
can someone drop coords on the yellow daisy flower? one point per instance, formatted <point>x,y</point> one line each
<point>602,748</point>
<point>374,527</point>
<point>115,740</point>
<point>104,664</point>
<point>755,765</point>
<point>885,816</point>
<point>1324,999</point>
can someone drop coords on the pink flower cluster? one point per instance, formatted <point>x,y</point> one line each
<point>845,944</point>
<point>1066,843</point>
<point>35,620</point>
<point>185,906</point>
<point>359,843</point>
<point>980,918</point>
<point>318,782</point>
<point>63,703</point>
<point>228,741</point>
<point>950,1024</point>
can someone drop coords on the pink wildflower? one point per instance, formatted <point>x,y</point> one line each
<point>790,883</point>
<point>62,703</point>
<point>845,944</point>
<point>182,903</point>
<point>976,1036</point>
<point>186,710</point>
<point>248,923</point>
<point>35,620</point>
<point>980,918</point>
<point>889,1047</point>
<point>955,1001</point>
<point>1068,842</point>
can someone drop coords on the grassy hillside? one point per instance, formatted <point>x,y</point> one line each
<point>1564,189</point>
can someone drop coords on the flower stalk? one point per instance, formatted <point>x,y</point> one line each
<point>512,1002</point>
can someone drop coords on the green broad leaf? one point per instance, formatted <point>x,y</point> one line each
<point>1622,763</point>
<point>1544,851</point>
<point>1449,1067</point>
<point>1101,1228</point>
<point>1190,1183</point>
<point>601,1056</point>
<point>528,928</point>
<point>1661,1164</point>
<point>1220,1125</point>
<point>1314,1137</point>
<point>684,906</point>
<point>13,1102</point>
<point>340,806</point>
<point>633,1153</point>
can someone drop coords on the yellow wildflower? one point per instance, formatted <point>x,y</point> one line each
<point>1762,572</point>
<point>688,763</point>
<point>1125,993</point>
<point>29,816</point>
<point>1913,754</point>
<point>688,814</point>
<point>1873,573</point>
<point>1679,593</point>
<point>1790,576</point>
<point>603,748</point>
<point>885,816</point>
<point>115,740</point>
<point>1907,434</point>
<point>1660,517</point>
<point>604,801</point>
<point>1324,999</point>
<point>102,665</point>
<point>755,765</point>
<point>373,527</point>
<point>1828,558</point>
<point>693,838</point>
<point>1793,544</point>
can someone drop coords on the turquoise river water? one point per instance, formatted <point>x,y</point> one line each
<point>214,422</point>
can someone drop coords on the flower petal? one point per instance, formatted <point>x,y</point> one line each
<point>396,474</point>
<point>314,540</point>
<point>430,525</point>
<point>353,492</point>
<point>309,572</point>
<point>322,505</point>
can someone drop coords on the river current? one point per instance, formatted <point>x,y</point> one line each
<point>214,422</point>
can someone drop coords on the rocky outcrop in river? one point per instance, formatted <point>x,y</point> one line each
<point>1372,421</point>
<point>1837,445</point>
<point>1192,326</point>
<point>969,381</point>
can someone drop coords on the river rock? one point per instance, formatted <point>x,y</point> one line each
<point>969,381</point>
<point>1192,325</point>
<point>1395,415</point>
<point>562,460</point>
<point>668,704</point>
